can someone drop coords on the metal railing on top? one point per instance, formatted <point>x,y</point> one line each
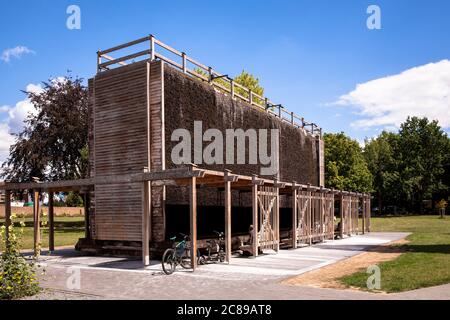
<point>220,81</point>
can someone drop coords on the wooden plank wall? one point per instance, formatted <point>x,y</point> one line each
<point>157,148</point>
<point>120,147</point>
<point>91,106</point>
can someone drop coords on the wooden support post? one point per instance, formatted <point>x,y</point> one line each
<point>37,223</point>
<point>255,219</point>
<point>277,218</point>
<point>341,216</point>
<point>7,214</point>
<point>310,214</point>
<point>363,214</point>
<point>51,222</point>
<point>369,214</point>
<point>146,212</point>
<point>227,216</point>
<point>87,206</point>
<point>294,216</point>
<point>193,220</point>
<point>321,213</point>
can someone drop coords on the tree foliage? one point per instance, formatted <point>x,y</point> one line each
<point>409,166</point>
<point>345,166</point>
<point>53,144</point>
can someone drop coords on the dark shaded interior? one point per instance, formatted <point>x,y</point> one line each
<point>212,218</point>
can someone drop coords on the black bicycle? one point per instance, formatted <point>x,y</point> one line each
<point>215,250</point>
<point>179,254</point>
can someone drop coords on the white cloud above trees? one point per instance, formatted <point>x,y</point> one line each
<point>422,91</point>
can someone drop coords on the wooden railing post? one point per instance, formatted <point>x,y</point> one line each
<point>210,75</point>
<point>250,96</point>
<point>152,48</point>
<point>183,55</point>
<point>232,88</point>
<point>99,61</point>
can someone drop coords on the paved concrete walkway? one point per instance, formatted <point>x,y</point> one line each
<point>243,278</point>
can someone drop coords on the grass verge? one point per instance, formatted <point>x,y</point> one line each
<point>67,231</point>
<point>426,258</point>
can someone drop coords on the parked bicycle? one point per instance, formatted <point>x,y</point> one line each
<point>179,254</point>
<point>215,250</point>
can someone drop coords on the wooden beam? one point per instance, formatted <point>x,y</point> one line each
<point>7,214</point>
<point>193,221</point>
<point>255,219</point>
<point>294,217</point>
<point>146,213</point>
<point>51,222</point>
<point>37,223</point>
<point>227,217</point>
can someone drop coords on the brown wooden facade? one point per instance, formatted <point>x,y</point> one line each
<point>130,117</point>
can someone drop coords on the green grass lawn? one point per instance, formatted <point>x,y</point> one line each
<point>67,231</point>
<point>426,261</point>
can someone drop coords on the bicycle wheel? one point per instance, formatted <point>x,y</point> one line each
<point>168,262</point>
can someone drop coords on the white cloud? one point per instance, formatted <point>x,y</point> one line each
<point>6,140</point>
<point>19,113</point>
<point>16,52</point>
<point>422,91</point>
<point>14,121</point>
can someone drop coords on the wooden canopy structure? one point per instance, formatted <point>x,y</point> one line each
<point>312,207</point>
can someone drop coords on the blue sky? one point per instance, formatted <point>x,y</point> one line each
<point>309,55</point>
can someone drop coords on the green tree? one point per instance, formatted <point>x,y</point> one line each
<point>245,79</point>
<point>380,154</point>
<point>250,82</point>
<point>53,144</point>
<point>423,152</point>
<point>345,166</point>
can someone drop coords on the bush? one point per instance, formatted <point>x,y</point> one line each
<point>17,276</point>
<point>73,199</point>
